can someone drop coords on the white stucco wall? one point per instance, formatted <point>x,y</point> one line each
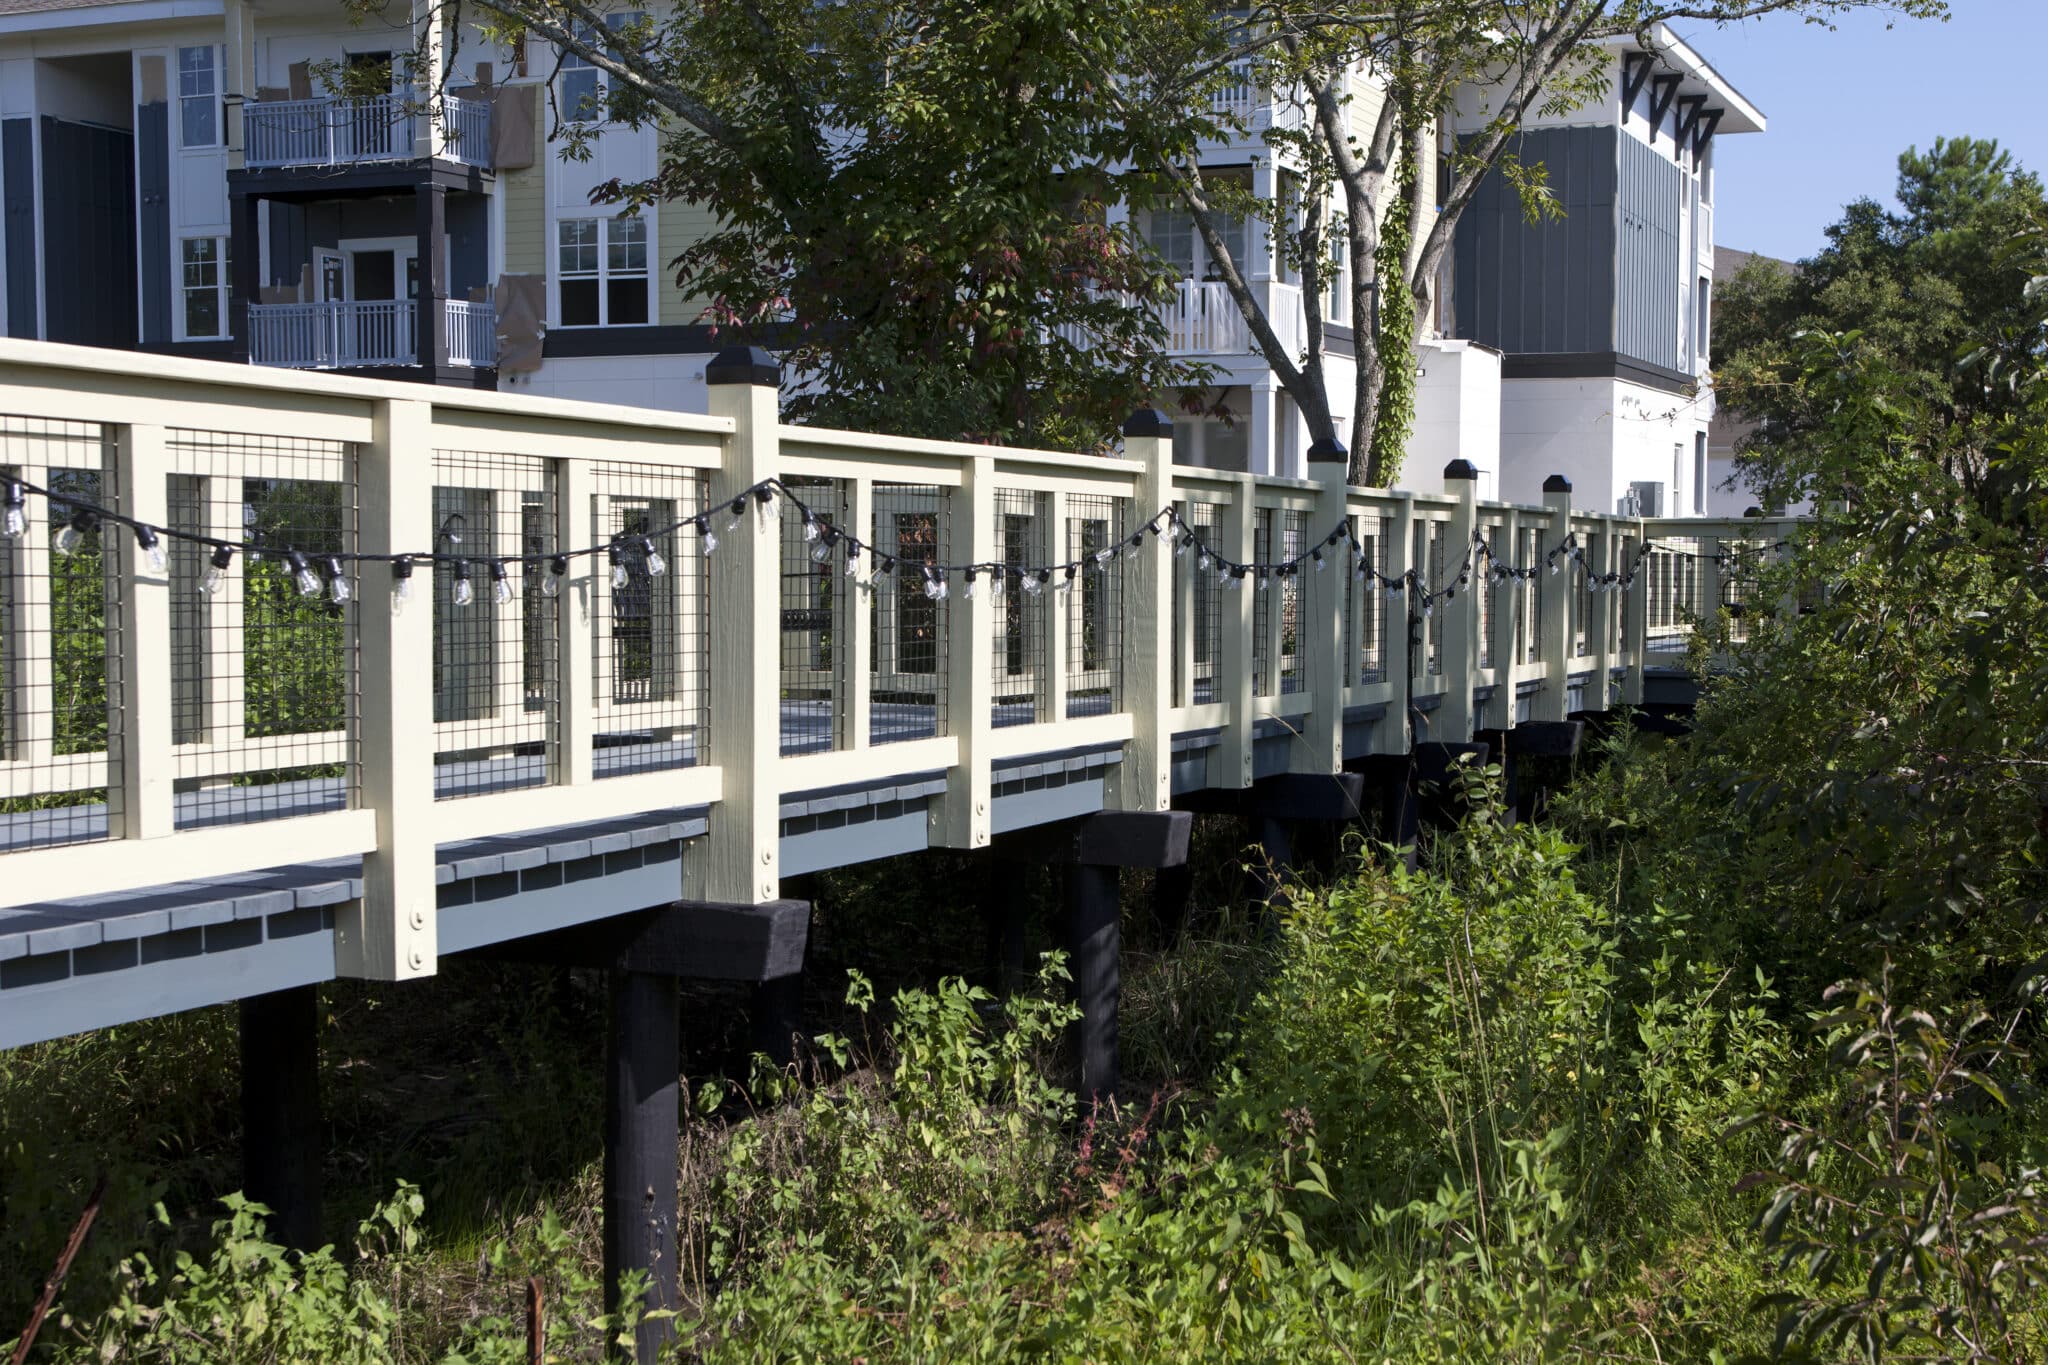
<point>1457,416</point>
<point>674,383</point>
<point>1603,435</point>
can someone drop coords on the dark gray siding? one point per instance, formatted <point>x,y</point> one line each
<point>153,218</point>
<point>18,159</point>
<point>88,234</point>
<point>1647,311</point>
<point>1544,287</point>
<point>290,250</point>
<point>469,244</point>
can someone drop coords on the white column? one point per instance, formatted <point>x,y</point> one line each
<point>389,935</point>
<point>738,861</point>
<point>1144,780</point>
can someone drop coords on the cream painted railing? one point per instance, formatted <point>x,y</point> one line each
<point>148,724</point>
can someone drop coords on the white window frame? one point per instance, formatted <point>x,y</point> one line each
<point>600,88</point>
<point>603,274</point>
<point>222,287</point>
<point>213,95</point>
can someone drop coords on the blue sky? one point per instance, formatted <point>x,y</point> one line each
<point>1843,105</point>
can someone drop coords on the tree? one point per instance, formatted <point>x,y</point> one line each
<point>910,196</point>
<point>1934,291</point>
<point>1532,54</point>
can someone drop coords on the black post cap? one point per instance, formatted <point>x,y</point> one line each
<point>743,365</point>
<point>1557,483</point>
<point>1461,469</point>
<point>1148,422</point>
<point>1330,450</point>
<point>1752,511</point>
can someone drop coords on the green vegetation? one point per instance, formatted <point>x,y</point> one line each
<point>1734,1056</point>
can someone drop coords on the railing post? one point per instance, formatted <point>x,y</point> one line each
<point>1715,573</point>
<point>1233,758</point>
<point>1058,599</point>
<point>390,933</point>
<point>1459,608</point>
<point>1553,703</point>
<point>576,630</point>
<point>1391,735</point>
<point>739,861</point>
<point>1635,613</point>
<point>139,655</point>
<point>961,819</point>
<point>1320,611</point>
<point>855,657</point>
<point>1144,780</point>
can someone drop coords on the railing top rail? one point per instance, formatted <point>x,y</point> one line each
<point>950,450</point>
<point>95,371</point>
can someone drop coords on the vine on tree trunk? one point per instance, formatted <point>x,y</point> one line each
<point>1394,341</point>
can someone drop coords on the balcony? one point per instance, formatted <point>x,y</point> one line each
<point>1201,319</point>
<point>1244,98</point>
<point>346,131</point>
<point>355,334</point>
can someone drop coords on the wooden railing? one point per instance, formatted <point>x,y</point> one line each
<point>147,722</point>
<point>341,130</point>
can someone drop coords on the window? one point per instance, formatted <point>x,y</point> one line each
<point>198,98</point>
<point>581,88</point>
<point>1703,313</point>
<point>204,280</point>
<point>1699,473</point>
<point>1340,274</point>
<point>1174,237</point>
<point>601,272</point>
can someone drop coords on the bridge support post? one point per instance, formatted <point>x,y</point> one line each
<point>642,1124</point>
<point>1003,903</point>
<point>281,1130</point>
<point>1094,850</point>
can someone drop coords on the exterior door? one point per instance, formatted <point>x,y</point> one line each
<point>382,280</point>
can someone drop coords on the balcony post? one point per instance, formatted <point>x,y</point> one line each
<point>961,818</point>
<point>1552,703</point>
<point>390,934</point>
<point>430,323</point>
<point>1144,781</point>
<point>1322,598</point>
<point>739,863</point>
<point>246,235</point>
<point>1459,607</point>
<point>239,84</point>
<point>426,94</point>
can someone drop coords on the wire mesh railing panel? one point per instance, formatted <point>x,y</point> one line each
<point>1675,589</point>
<point>1741,598</point>
<point>907,676</point>
<point>1022,655</point>
<point>1375,611</point>
<point>266,686</point>
<point>1487,592</point>
<point>60,708</point>
<point>1201,611</point>
<point>1293,544</point>
<point>496,665</point>
<point>814,717</point>
<point>1095,613</point>
<point>1263,531</point>
<point>650,649</point>
<point>1529,621</point>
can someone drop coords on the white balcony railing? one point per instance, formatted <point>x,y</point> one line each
<point>1201,318</point>
<point>354,334</point>
<point>340,131</point>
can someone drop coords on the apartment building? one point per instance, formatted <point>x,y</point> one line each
<point>267,185</point>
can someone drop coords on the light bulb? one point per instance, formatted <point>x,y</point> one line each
<point>1102,557</point>
<point>303,575</point>
<point>1321,563</point>
<point>465,593</point>
<point>1034,584</point>
<point>656,565</point>
<point>738,510</point>
<point>820,553</point>
<point>501,586</point>
<point>810,528</point>
<point>968,589</point>
<point>13,510</point>
<point>618,561</point>
<point>1428,609</point>
<point>1067,583</point>
<point>852,561</point>
<point>217,570</point>
<point>1265,582</point>
<point>152,549</point>
<point>710,539</point>
<point>995,583</point>
<point>74,531</point>
<point>1180,551</point>
<point>337,582</point>
<point>934,586</point>
<point>1206,562</point>
<point>1553,564</point>
<point>1393,591</point>
<point>401,584</point>
<point>551,582</point>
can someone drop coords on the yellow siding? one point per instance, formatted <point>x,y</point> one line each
<point>526,209</point>
<point>678,225</point>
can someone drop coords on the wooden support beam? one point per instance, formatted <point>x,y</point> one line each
<point>1663,89</point>
<point>282,1138</point>
<point>706,940</point>
<point>642,1125</point>
<point>1635,70</point>
<point>1111,838</point>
